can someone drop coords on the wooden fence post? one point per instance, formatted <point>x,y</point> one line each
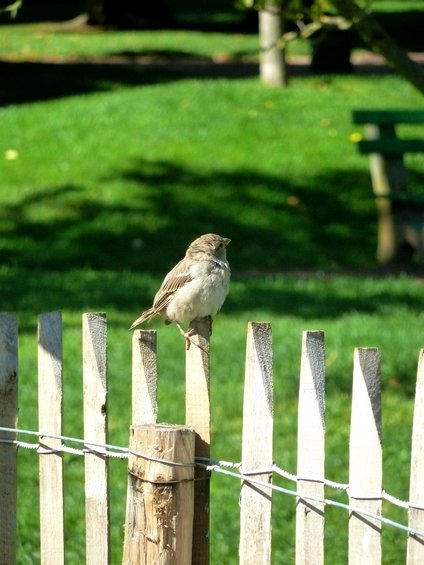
<point>258,422</point>
<point>311,451</point>
<point>198,417</point>
<point>95,430</point>
<point>159,521</point>
<point>50,422</point>
<point>365,466</point>
<point>8,451</point>
<point>415,551</point>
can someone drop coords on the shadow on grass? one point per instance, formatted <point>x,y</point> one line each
<point>31,82</point>
<point>274,224</point>
<point>63,249</point>
<point>24,82</point>
<point>314,297</point>
<point>123,294</point>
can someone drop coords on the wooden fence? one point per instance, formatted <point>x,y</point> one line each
<point>365,469</point>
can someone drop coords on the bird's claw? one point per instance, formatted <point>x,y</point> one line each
<point>187,337</point>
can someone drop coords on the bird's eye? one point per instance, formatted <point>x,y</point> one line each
<point>221,245</point>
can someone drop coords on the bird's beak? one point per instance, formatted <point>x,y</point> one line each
<point>226,241</point>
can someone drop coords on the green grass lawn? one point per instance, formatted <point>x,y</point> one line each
<point>109,171</point>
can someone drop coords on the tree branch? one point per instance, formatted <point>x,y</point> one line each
<point>376,37</point>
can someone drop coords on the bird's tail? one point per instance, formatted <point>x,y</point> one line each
<point>147,315</point>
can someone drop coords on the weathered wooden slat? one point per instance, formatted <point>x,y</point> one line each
<point>144,377</point>
<point>95,430</point>
<point>258,423</point>
<point>144,407</point>
<point>415,551</point>
<point>198,416</point>
<point>365,466</point>
<point>311,451</point>
<point>50,422</point>
<point>8,419</point>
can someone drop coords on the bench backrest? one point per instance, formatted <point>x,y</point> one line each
<point>388,117</point>
<point>383,134</point>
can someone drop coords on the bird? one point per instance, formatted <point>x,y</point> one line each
<point>195,288</point>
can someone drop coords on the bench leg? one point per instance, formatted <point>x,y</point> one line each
<point>388,176</point>
<point>386,244</point>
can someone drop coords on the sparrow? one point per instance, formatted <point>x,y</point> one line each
<point>195,288</point>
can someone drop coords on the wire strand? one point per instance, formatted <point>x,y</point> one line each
<point>109,450</point>
<point>325,501</point>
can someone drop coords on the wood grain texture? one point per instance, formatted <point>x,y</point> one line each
<point>144,377</point>
<point>50,422</point>
<point>365,459</point>
<point>415,548</point>
<point>8,419</point>
<point>311,450</point>
<point>198,417</point>
<point>258,422</point>
<point>144,406</point>
<point>97,510</point>
<point>159,521</point>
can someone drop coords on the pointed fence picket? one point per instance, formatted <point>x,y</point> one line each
<point>311,451</point>
<point>8,451</point>
<point>50,423</point>
<point>96,431</point>
<point>185,489</point>
<point>198,417</point>
<point>415,551</point>
<point>365,472</point>
<point>258,410</point>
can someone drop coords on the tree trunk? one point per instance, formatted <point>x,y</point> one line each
<point>374,35</point>
<point>273,68</point>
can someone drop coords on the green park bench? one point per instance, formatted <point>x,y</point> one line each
<point>400,213</point>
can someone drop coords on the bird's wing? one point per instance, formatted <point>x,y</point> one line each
<point>147,315</point>
<point>174,280</point>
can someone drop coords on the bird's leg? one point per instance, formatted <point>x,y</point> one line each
<point>187,335</point>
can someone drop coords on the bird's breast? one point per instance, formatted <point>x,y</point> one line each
<point>203,295</point>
